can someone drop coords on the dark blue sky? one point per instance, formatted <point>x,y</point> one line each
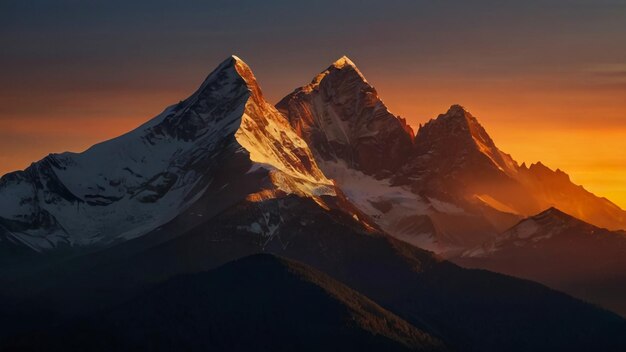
<point>108,43</point>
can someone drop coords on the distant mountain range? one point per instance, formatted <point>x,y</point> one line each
<point>444,188</point>
<point>137,232</point>
<point>560,251</point>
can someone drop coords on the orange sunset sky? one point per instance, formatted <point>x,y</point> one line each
<point>547,79</point>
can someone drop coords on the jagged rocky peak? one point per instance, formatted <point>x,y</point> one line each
<point>343,64</point>
<point>259,129</point>
<point>246,74</point>
<point>343,119</point>
<point>554,187</point>
<point>230,84</point>
<point>459,123</point>
<point>539,170</point>
<point>458,110</point>
<point>552,213</point>
<point>539,167</point>
<point>343,67</point>
<point>457,133</point>
<point>344,61</point>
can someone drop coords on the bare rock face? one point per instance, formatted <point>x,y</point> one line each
<point>455,159</point>
<point>341,116</point>
<point>454,156</point>
<point>458,136</point>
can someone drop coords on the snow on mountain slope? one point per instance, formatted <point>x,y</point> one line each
<point>528,232</point>
<point>124,187</point>
<point>369,152</point>
<point>539,230</point>
<point>271,142</point>
<point>458,188</point>
<point>563,252</point>
<point>341,117</point>
<point>397,210</point>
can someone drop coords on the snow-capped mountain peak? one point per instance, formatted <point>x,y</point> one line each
<point>271,142</point>
<point>533,231</point>
<point>124,187</point>
<point>344,63</point>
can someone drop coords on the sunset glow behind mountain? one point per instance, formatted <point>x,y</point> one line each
<point>548,86</point>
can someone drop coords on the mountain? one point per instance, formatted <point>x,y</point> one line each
<point>127,186</point>
<point>342,118</point>
<point>456,161</point>
<point>262,190</point>
<point>560,251</point>
<point>454,152</point>
<point>458,136</point>
<point>364,148</point>
<point>447,188</point>
<point>554,188</point>
<point>240,306</point>
<point>467,309</point>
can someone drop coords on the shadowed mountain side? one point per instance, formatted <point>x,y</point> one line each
<point>554,188</point>
<point>125,187</point>
<point>446,188</point>
<point>469,309</point>
<point>560,251</point>
<point>241,181</point>
<point>260,303</point>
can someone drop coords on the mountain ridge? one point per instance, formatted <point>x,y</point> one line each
<point>473,309</point>
<point>561,251</point>
<point>104,184</point>
<point>260,188</point>
<point>317,111</point>
<point>198,311</point>
<point>447,187</point>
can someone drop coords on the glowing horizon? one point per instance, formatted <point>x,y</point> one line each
<point>547,85</point>
<point>601,169</point>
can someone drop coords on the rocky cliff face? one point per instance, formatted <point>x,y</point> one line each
<point>341,116</point>
<point>455,159</point>
<point>455,145</point>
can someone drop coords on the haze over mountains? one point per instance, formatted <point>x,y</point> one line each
<point>454,187</point>
<point>561,251</point>
<point>170,316</point>
<point>329,178</point>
